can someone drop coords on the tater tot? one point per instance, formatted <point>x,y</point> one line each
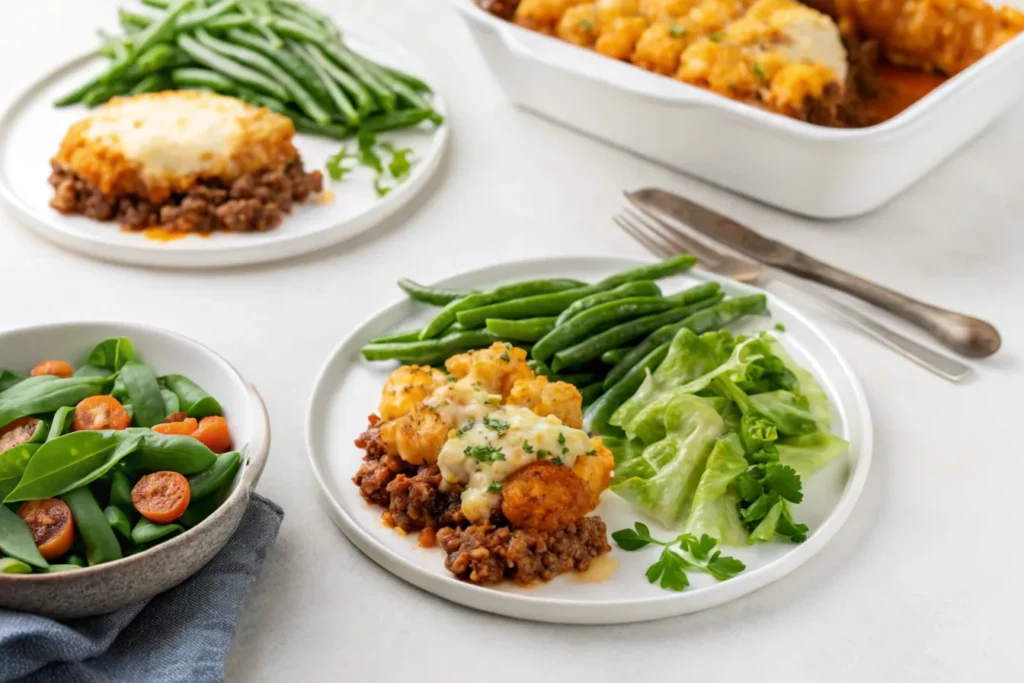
<point>660,10</point>
<point>497,368</point>
<point>579,25</point>
<point>544,496</point>
<point>544,398</point>
<point>595,470</point>
<point>619,39</point>
<point>542,15</point>
<point>406,387</point>
<point>659,48</point>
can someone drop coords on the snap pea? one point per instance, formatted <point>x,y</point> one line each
<point>8,379</point>
<point>16,539</point>
<point>146,531</point>
<point>228,67</point>
<point>592,347</point>
<point>61,422</point>
<point>213,478</point>
<point>403,337</point>
<point>13,462</point>
<point>48,394</point>
<point>159,452</point>
<point>321,75</point>
<point>597,414</point>
<point>118,521</point>
<point>430,351</point>
<point>9,565</point>
<point>365,104</point>
<point>143,393</point>
<point>193,77</point>
<point>527,329</point>
<point>392,120</point>
<point>306,102</point>
<point>73,461</point>
<point>121,489</point>
<point>448,315</point>
<point>92,527</point>
<point>39,432</point>
<point>613,356</point>
<point>75,559</point>
<point>58,568</point>
<point>624,291</point>
<point>195,402</point>
<point>711,318</point>
<point>594,320</point>
<point>435,296</point>
<point>349,61</point>
<point>171,403</point>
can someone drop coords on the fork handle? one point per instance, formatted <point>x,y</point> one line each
<point>938,363</point>
<point>966,335</point>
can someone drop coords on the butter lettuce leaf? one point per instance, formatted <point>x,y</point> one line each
<point>714,509</point>
<point>810,452</point>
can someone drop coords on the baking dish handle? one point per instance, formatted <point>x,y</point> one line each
<point>556,54</point>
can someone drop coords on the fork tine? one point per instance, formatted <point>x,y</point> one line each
<point>677,238</point>
<point>659,250</point>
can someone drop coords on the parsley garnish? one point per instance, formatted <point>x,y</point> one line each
<point>484,453</point>
<point>780,327</point>
<point>527,447</point>
<point>367,155</point>
<point>400,163</point>
<point>465,428</point>
<point>593,452</point>
<point>561,438</point>
<point>557,460</point>
<point>677,31</point>
<point>335,169</point>
<point>565,450</point>
<point>541,454</point>
<point>669,571</point>
<point>496,425</point>
<point>505,357</point>
<point>381,189</point>
<point>759,72</point>
<point>494,486</point>
<point>586,24</point>
<point>717,36</point>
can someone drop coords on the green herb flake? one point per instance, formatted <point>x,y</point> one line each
<point>565,450</point>
<point>561,438</point>
<point>591,452</point>
<point>780,327</point>
<point>586,25</point>
<point>381,189</point>
<point>465,428</point>
<point>496,425</point>
<point>527,447</point>
<point>400,163</point>
<point>717,36</point>
<point>484,453</point>
<point>542,454</point>
<point>677,31</point>
<point>505,357</point>
<point>335,169</point>
<point>494,487</point>
<point>557,460</point>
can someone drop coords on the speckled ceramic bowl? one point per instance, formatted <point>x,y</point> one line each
<point>104,588</point>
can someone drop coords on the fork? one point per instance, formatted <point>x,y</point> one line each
<point>662,240</point>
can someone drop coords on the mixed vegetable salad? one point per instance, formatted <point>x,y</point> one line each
<point>105,461</point>
<point>713,434</point>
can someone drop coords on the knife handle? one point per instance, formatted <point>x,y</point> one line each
<point>966,335</point>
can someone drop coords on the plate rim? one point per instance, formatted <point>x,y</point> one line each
<point>166,255</point>
<point>613,611</point>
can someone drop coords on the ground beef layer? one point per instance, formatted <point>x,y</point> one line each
<point>253,202</point>
<point>481,553</point>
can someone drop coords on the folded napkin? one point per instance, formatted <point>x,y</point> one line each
<point>181,635</point>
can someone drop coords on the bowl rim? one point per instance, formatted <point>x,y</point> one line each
<point>256,456</point>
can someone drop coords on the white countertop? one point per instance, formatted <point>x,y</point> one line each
<point>921,584</point>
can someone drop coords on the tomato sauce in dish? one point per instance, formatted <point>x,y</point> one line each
<point>899,88</point>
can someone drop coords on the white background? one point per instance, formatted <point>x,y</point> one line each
<point>922,584</point>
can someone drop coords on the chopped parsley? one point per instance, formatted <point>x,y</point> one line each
<point>593,452</point>
<point>541,454</point>
<point>465,428</point>
<point>494,486</point>
<point>335,169</point>
<point>561,438</point>
<point>677,31</point>
<point>484,453</point>
<point>557,460</point>
<point>586,24</point>
<point>505,357</point>
<point>380,187</point>
<point>717,36</point>
<point>731,85</point>
<point>496,425</point>
<point>527,447</point>
<point>780,327</point>
<point>565,450</point>
<point>759,72</point>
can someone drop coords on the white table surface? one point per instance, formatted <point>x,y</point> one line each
<point>921,584</point>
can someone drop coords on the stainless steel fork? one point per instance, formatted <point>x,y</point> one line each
<point>662,240</point>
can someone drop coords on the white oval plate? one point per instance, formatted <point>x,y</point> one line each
<point>348,390</point>
<point>32,128</point>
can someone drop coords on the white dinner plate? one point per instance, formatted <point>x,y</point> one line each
<point>348,390</point>
<point>32,128</point>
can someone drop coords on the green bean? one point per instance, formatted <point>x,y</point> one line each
<point>121,490</point>
<point>540,367</point>
<point>158,4</point>
<point>408,79</point>
<point>591,392</point>
<point>526,329</point>
<point>260,100</point>
<point>700,292</point>
<point>624,291</point>
<point>613,356</point>
<point>61,422</point>
<point>595,418</point>
<point>430,351</point>
<point>216,61</point>
<point>304,125</point>
<point>203,78</point>
<point>349,61</point>
<point>712,318</point>
<point>293,64</point>
<point>671,266</point>
<point>143,393</point>
<point>341,102</point>
<point>9,565</point>
<point>244,55</point>
<point>406,94</point>
<point>157,82</point>
<point>16,539</point>
<point>435,296</point>
<point>213,478</point>
<point>393,120</point>
<point>293,29</point>
<point>314,14</point>
<point>132,22</point>
<point>118,521</point>
<point>160,30</point>
<point>579,379</point>
<point>592,347</point>
<point>594,320</point>
<point>92,527</point>
<point>402,337</point>
<point>365,103</point>
<point>449,314</point>
<point>146,531</point>
<point>228,22</point>
<point>195,402</point>
<point>202,17</point>
<point>102,92</point>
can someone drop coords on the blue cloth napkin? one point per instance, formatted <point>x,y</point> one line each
<point>181,635</point>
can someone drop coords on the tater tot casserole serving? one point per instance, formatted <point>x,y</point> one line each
<point>840,63</point>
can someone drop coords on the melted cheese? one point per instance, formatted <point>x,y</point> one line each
<point>487,449</point>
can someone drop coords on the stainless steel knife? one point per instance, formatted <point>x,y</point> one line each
<point>964,334</point>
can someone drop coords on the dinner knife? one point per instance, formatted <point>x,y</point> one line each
<point>964,334</point>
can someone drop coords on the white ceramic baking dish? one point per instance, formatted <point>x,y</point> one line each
<point>811,170</point>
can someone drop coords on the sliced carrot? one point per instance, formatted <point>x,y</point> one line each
<point>184,428</point>
<point>101,412</point>
<point>52,367</point>
<point>17,432</point>
<point>213,431</point>
<point>161,497</point>
<point>51,524</point>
